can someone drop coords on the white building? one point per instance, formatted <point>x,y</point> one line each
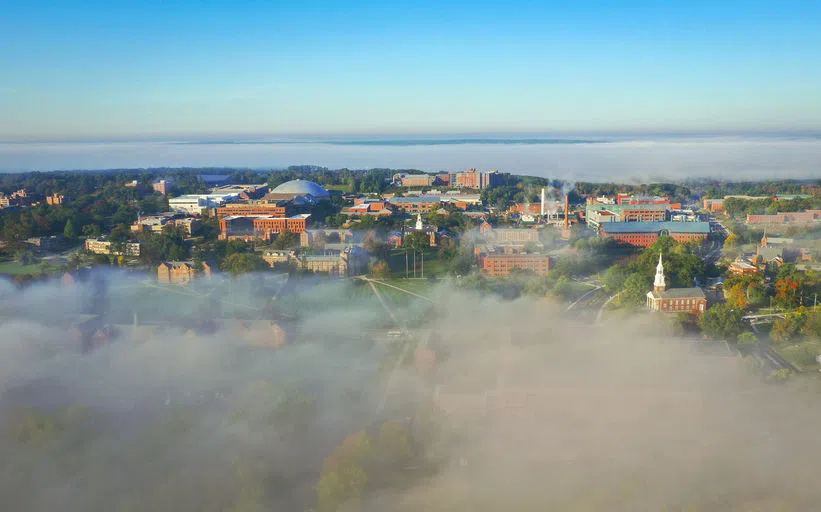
<point>103,246</point>
<point>194,204</point>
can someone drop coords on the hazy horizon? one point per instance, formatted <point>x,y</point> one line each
<point>595,157</point>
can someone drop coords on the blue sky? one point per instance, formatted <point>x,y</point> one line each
<point>183,68</point>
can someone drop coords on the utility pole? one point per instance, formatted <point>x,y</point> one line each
<point>414,264</point>
<point>407,273</point>
<point>423,264</point>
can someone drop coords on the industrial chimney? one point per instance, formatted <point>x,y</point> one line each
<point>566,230</point>
<point>542,201</point>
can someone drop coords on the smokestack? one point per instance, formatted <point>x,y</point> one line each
<point>542,201</point>
<point>566,212</point>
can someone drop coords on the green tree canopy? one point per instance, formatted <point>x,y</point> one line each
<point>721,322</point>
<point>69,231</point>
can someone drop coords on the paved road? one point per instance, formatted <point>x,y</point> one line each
<point>771,359</point>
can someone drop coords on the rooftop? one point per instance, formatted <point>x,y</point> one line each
<point>622,207</point>
<point>301,187</point>
<point>654,227</point>
<point>681,293</point>
<point>416,199</point>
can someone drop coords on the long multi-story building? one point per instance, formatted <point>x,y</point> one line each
<point>643,234</point>
<point>477,180</point>
<point>248,227</point>
<point>103,246</point>
<point>509,236</point>
<point>597,213</point>
<point>417,204</point>
<point>194,204</point>
<point>275,208</point>
<point>163,186</point>
<point>805,217</point>
<point>376,207</point>
<point>416,180</point>
<point>501,262</point>
<point>717,204</point>
<point>349,260</point>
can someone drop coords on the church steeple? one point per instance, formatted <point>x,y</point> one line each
<point>658,284</point>
<point>764,240</point>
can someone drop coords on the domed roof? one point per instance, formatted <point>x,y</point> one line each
<point>301,187</point>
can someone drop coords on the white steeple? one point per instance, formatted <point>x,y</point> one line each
<point>419,225</point>
<point>659,285</point>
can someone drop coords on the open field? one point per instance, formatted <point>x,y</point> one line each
<point>803,354</point>
<point>433,267</point>
<point>13,268</point>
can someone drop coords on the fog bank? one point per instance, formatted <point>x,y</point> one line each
<point>637,160</point>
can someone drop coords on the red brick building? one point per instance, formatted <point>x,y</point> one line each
<point>674,300</point>
<point>277,209</point>
<point>501,263</point>
<point>739,267</point>
<point>249,227</point>
<point>643,234</point>
<point>804,217</point>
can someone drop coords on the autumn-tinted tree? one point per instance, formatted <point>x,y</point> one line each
<point>787,292</point>
<point>380,269</point>
<point>791,326</point>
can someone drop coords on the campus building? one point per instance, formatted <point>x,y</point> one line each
<point>347,261</point>
<point>597,213</point>
<point>249,227</point>
<point>477,180</point>
<point>274,208</point>
<point>156,223</point>
<point>416,180</point>
<point>163,186</point>
<point>303,189</point>
<point>180,272</point>
<point>741,266</point>
<point>805,217</point>
<point>55,199</point>
<point>643,234</point>
<point>376,207</point>
<point>500,262</point>
<point>768,252</point>
<point>509,236</point>
<point>103,246</point>
<point>675,300</point>
<point>195,204</point>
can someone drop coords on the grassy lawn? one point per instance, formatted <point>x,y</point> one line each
<point>421,287</point>
<point>576,290</point>
<point>396,262</point>
<point>801,354</point>
<point>14,268</point>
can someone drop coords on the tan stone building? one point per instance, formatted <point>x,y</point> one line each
<point>55,199</point>
<point>180,272</point>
